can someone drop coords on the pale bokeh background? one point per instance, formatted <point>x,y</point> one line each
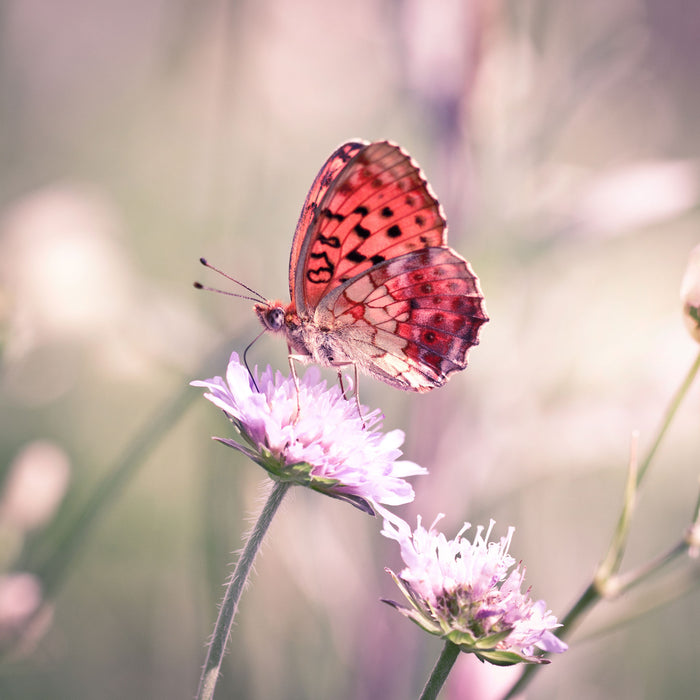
<point>136,137</point>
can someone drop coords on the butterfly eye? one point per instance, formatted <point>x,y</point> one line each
<point>275,318</point>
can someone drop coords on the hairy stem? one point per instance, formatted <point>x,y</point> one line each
<point>229,605</point>
<point>440,671</point>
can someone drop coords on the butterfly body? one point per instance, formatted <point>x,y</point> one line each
<point>372,281</point>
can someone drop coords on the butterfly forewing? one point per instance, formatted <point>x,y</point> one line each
<point>309,212</point>
<point>378,207</point>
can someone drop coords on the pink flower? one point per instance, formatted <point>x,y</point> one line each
<point>324,445</point>
<point>469,593</point>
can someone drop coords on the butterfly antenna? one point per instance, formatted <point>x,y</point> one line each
<point>257,298</point>
<point>199,285</point>
<point>245,359</point>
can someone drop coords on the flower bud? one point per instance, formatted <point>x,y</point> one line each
<point>690,294</point>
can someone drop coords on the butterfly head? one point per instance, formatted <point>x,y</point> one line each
<point>272,315</point>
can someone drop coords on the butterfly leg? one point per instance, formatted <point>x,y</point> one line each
<point>292,359</point>
<point>339,366</point>
<point>340,383</point>
<point>357,395</point>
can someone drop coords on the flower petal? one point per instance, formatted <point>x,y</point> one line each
<point>309,423</point>
<point>470,592</point>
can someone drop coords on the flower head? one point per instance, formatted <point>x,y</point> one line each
<point>312,435</point>
<point>469,593</point>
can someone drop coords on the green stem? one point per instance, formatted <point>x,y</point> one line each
<point>593,592</point>
<point>632,579</point>
<point>670,413</point>
<point>613,560</point>
<point>229,605</point>
<point>586,601</point>
<point>439,674</point>
<point>623,584</point>
<point>672,589</point>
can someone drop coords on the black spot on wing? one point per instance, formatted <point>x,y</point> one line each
<point>362,232</point>
<point>330,241</point>
<point>355,256</point>
<point>330,215</point>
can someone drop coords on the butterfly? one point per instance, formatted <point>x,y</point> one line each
<point>372,281</point>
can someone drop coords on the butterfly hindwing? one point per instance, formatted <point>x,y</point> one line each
<point>412,320</point>
<point>377,207</point>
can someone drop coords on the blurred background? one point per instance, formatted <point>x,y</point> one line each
<point>135,137</point>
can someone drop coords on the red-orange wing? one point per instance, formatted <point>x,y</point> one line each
<point>374,207</point>
<point>308,220</point>
<point>412,319</point>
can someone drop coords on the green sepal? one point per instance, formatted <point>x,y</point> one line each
<point>484,648</point>
<point>415,612</point>
<point>491,641</point>
<point>429,623</point>
<point>425,623</point>
<point>299,473</point>
<point>407,592</point>
<point>353,499</point>
<point>508,658</point>
<point>462,638</point>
